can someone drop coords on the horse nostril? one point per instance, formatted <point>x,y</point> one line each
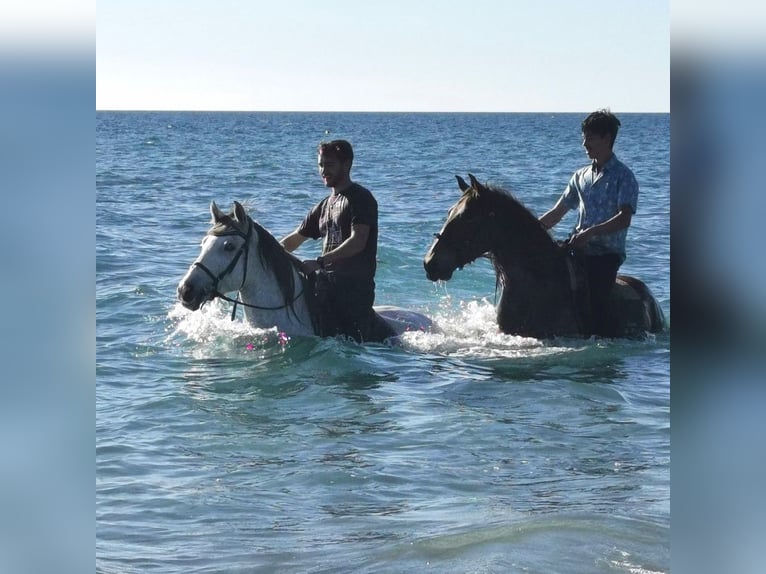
<point>184,292</point>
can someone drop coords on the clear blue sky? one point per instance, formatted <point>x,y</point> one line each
<point>392,55</point>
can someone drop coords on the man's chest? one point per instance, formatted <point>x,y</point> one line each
<point>336,214</point>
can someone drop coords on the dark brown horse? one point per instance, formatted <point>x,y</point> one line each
<point>544,290</point>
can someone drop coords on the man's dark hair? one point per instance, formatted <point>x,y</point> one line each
<point>339,149</point>
<point>601,122</point>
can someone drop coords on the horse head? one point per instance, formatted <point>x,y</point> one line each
<point>466,235</point>
<point>221,266</point>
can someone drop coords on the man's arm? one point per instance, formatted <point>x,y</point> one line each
<point>350,247</point>
<point>619,221</point>
<point>293,241</point>
<point>552,217</point>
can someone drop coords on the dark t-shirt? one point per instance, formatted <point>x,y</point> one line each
<point>332,218</point>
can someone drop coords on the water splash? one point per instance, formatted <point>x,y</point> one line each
<point>463,329</point>
<point>210,331</point>
<point>469,329</point>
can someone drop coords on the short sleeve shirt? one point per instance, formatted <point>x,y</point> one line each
<point>332,218</point>
<point>600,196</point>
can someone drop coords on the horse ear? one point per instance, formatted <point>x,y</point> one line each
<point>474,182</point>
<point>462,184</point>
<point>239,212</point>
<point>216,213</point>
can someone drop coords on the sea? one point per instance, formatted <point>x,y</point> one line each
<point>223,448</point>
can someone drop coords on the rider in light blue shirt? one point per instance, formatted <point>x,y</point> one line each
<point>606,194</point>
<point>600,194</point>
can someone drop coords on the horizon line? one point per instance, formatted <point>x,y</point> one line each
<point>159,110</point>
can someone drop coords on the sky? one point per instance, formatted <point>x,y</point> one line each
<point>392,55</point>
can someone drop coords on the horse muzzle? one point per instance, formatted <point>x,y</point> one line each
<point>435,271</point>
<point>191,296</point>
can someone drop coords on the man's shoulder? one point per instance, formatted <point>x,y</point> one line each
<point>618,166</point>
<point>578,175</point>
<point>356,192</point>
<point>319,206</point>
<point>585,169</point>
<point>357,188</point>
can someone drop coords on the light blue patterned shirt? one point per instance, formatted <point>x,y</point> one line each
<point>599,196</point>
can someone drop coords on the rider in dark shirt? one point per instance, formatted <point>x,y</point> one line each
<point>347,222</point>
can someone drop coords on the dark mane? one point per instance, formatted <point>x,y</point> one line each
<point>526,236</point>
<point>498,200</point>
<point>274,256</point>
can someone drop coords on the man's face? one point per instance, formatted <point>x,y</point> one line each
<point>597,146</point>
<point>331,170</point>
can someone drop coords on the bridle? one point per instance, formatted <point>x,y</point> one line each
<point>244,249</point>
<point>459,247</point>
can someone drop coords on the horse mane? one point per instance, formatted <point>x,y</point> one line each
<point>270,252</point>
<point>531,239</point>
<point>502,202</point>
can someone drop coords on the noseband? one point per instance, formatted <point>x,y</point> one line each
<point>450,245</point>
<point>244,249</point>
<point>457,247</point>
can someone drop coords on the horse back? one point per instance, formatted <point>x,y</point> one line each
<point>401,320</point>
<point>639,310</point>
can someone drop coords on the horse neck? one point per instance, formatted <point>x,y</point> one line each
<point>523,250</point>
<point>261,289</point>
<point>536,297</point>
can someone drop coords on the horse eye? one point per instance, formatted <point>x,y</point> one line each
<point>228,246</point>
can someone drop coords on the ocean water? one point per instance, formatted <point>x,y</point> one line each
<point>224,448</point>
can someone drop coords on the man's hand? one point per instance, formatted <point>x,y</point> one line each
<point>580,238</point>
<point>310,265</point>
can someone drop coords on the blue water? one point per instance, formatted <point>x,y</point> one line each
<point>222,448</point>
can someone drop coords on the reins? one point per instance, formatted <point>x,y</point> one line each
<point>245,248</point>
